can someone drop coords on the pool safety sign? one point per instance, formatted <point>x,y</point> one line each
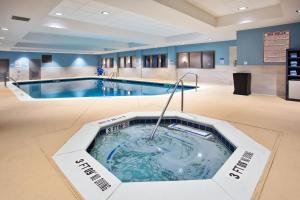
<point>117,127</point>
<point>91,179</point>
<point>92,174</point>
<point>275,45</point>
<point>241,165</point>
<point>240,175</point>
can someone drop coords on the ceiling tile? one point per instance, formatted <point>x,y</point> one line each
<point>226,7</point>
<point>90,11</point>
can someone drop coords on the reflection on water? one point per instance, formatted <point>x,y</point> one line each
<point>172,155</point>
<point>92,88</point>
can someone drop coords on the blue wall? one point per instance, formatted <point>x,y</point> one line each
<point>249,46</point>
<point>250,42</point>
<point>163,50</point>
<point>127,53</point>
<point>221,49</point>
<point>66,60</point>
<point>58,60</point>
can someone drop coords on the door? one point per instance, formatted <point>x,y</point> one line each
<point>35,69</point>
<point>233,55</point>
<point>4,68</point>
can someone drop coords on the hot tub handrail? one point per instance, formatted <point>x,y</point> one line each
<point>170,98</point>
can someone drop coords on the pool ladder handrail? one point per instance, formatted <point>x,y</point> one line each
<point>113,75</point>
<point>6,76</point>
<point>170,98</point>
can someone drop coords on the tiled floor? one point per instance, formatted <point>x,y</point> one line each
<point>31,132</point>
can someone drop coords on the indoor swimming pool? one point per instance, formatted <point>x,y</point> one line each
<point>93,87</point>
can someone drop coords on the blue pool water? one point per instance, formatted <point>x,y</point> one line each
<point>93,87</point>
<point>172,155</point>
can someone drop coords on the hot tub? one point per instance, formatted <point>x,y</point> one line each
<point>190,157</point>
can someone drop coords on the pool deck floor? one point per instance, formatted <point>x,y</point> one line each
<point>31,132</point>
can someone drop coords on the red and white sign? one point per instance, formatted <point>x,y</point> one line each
<point>275,45</point>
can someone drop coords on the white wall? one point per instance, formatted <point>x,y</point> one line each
<point>220,75</point>
<point>266,79</point>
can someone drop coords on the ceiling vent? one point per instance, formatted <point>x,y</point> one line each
<point>18,18</point>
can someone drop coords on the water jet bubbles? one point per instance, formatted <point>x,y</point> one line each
<point>180,170</point>
<point>159,149</point>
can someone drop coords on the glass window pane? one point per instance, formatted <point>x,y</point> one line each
<point>195,60</point>
<point>155,61</point>
<point>183,60</point>
<point>208,59</point>
<point>122,62</point>
<point>147,61</point>
<point>128,62</point>
<point>163,60</point>
<point>134,62</point>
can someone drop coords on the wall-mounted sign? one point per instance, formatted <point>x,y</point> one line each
<point>222,61</point>
<point>275,45</point>
<point>91,173</point>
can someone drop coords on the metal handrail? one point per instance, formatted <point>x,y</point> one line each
<point>14,80</point>
<point>113,75</point>
<point>170,98</point>
<point>6,76</point>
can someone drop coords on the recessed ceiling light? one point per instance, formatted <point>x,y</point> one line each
<point>242,8</point>
<point>246,21</point>
<point>58,14</point>
<point>55,25</point>
<point>4,29</point>
<point>105,12</point>
<point>298,11</point>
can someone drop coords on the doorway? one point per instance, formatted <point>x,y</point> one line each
<point>233,56</point>
<point>4,68</point>
<point>35,69</point>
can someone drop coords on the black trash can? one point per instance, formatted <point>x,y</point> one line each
<point>242,83</point>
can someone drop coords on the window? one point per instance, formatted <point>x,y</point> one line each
<point>147,61</point>
<point>122,62</point>
<point>204,60</point>
<point>208,59</point>
<point>183,60</point>
<point>46,58</point>
<point>126,62</point>
<point>163,60</point>
<point>195,60</point>
<point>155,61</point>
<point>107,62</point>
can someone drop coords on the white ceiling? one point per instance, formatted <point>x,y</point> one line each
<point>133,24</point>
<point>226,7</point>
<point>90,11</point>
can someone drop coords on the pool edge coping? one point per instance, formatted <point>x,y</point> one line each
<point>23,96</point>
<point>219,178</point>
